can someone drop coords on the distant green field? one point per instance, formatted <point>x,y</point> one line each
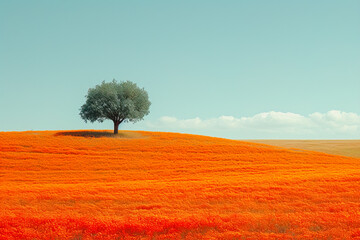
<point>349,148</point>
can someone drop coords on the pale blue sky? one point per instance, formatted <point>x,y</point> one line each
<point>202,59</point>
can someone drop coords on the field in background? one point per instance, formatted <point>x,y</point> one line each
<point>153,185</point>
<point>350,148</point>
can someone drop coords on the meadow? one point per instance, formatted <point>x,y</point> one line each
<point>350,148</point>
<point>155,185</point>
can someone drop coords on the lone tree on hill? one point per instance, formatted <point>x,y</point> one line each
<point>119,102</point>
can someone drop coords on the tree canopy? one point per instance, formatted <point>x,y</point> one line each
<point>119,102</point>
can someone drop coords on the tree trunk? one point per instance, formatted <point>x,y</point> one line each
<point>116,127</point>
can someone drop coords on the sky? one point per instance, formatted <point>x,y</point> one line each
<point>235,69</point>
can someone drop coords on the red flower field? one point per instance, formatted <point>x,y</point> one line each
<point>154,185</point>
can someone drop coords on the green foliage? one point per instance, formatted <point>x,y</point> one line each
<point>119,102</point>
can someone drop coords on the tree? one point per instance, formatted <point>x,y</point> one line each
<point>119,102</point>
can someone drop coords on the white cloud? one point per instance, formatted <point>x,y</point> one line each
<point>341,122</point>
<point>333,124</point>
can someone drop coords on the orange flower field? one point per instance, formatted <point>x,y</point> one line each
<point>154,185</point>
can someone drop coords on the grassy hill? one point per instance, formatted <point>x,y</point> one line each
<point>154,185</point>
<point>350,148</point>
